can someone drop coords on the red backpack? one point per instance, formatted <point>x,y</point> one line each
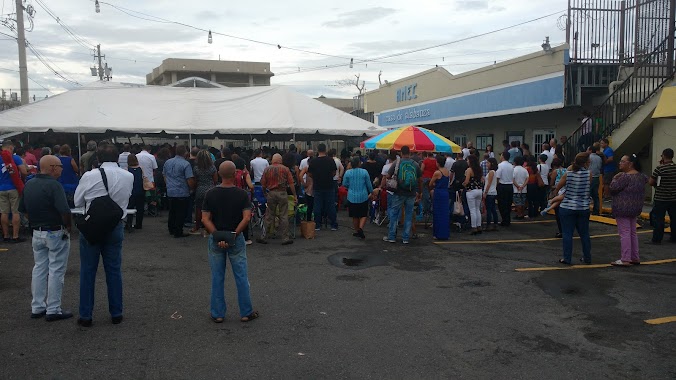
<point>13,170</point>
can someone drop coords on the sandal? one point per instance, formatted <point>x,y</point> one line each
<point>217,319</point>
<point>250,317</point>
<point>620,263</point>
<point>562,261</point>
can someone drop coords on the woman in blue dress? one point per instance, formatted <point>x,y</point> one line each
<point>69,178</point>
<point>440,200</point>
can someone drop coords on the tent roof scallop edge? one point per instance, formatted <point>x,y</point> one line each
<point>106,106</point>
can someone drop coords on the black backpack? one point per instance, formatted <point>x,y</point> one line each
<point>101,218</point>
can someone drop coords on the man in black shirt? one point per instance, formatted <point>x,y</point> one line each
<point>226,213</point>
<point>373,167</point>
<point>44,204</point>
<point>322,170</point>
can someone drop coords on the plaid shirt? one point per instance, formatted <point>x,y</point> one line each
<point>484,167</point>
<point>276,177</point>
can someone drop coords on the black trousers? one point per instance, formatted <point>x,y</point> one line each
<point>505,199</point>
<point>137,202</point>
<point>178,208</point>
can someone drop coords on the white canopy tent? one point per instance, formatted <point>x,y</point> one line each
<point>105,107</point>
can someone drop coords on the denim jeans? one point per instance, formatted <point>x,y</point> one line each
<point>325,201</point>
<point>218,263</point>
<point>572,220</point>
<point>659,212</point>
<point>399,202</point>
<point>594,192</point>
<point>111,252</point>
<point>50,252</point>
<point>491,210</point>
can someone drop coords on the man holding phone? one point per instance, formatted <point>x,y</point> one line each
<point>44,204</point>
<point>226,213</point>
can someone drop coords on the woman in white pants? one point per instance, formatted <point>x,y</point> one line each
<point>474,185</point>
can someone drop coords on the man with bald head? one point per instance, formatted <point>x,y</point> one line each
<point>276,180</point>
<point>44,204</point>
<point>227,211</point>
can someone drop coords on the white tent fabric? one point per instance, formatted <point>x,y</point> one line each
<point>107,106</point>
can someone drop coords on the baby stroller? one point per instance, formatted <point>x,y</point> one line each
<point>379,208</point>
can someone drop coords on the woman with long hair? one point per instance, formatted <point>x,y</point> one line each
<point>490,195</point>
<point>289,160</point>
<point>473,184</point>
<point>574,209</point>
<point>243,181</point>
<point>440,200</point>
<point>206,177</point>
<point>489,150</point>
<point>628,191</point>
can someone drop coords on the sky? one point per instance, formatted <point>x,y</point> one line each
<point>364,31</point>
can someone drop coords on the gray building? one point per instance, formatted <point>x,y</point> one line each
<point>225,73</point>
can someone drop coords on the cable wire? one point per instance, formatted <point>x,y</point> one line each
<point>76,37</point>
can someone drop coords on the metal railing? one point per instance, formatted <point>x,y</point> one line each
<point>649,73</point>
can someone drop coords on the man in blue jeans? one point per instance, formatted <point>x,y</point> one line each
<point>120,184</point>
<point>322,169</point>
<point>44,204</point>
<point>227,211</point>
<point>409,190</point>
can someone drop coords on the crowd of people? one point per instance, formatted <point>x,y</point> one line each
<point>214,192</point>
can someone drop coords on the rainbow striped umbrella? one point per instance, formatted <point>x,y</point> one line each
<point>416,138</point>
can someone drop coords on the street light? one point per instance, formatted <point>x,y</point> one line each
<point>97,6</point>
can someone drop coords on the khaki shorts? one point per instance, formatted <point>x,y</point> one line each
<point>9,202</point>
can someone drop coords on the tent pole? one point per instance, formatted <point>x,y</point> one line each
<point>190,140</point>
<point>79,149</point>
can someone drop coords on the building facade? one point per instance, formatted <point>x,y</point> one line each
<point>225,73</point>
<point>523,99</point>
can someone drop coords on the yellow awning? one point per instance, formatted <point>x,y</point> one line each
<point>666,107</point>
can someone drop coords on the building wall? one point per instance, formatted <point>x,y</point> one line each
<point>437,83</point>
<point>559,122</point>
<point>228,73</point>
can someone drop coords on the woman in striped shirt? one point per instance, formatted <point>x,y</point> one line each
<point>574,209</point>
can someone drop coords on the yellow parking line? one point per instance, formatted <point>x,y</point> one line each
<point>534,240</point>
<point>656,262</point>
<point>4,249</point>
<point>659,321</point>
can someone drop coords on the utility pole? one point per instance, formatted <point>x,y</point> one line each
<point>21,40</point>
<point>98,55</point>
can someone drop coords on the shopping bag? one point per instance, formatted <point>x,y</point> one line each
<point>457,206</point>
<point>307,229</point>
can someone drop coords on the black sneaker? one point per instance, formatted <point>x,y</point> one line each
<point>17,240</point>
<point>38,315</point>
<point>117,320</point>
<point>84,322</point>
<point>57,317</point>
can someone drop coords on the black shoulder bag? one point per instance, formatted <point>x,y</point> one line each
<point>101,218</point>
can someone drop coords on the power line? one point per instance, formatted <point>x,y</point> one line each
<point>76,37</point>
<point>326,67</point>
<point>45,61</point>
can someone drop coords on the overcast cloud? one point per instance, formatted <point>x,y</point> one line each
<point>352,29</point>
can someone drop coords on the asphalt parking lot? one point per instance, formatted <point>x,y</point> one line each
<point>497,305</point>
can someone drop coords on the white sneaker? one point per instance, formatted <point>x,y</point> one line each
<point>387,239</point>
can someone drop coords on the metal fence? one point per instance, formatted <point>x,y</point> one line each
<point>610,31</point>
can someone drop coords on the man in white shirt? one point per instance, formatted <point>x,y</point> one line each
<point>258,166</point>
<point>120,183</point>
<point>547,151</point>
<point>122,159</point>
<point>449,162</point>
<point>520,186</point>
<point>505,176</point>
<point>304,163</point>
<point>148,163</point>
